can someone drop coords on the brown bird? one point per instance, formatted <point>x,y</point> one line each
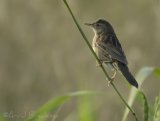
<point>109,51</point>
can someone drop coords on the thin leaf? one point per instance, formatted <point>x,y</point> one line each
<point>145,105</point>
<point>140,77</point>
<point>156,116</point>
<point>53,104</point>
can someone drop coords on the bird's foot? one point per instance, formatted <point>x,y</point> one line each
<point>110,81</point>
<point>98,64</point>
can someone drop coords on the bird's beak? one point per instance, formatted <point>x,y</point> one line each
<point>89,24</point>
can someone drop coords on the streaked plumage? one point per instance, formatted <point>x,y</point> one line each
<point>108,48</point>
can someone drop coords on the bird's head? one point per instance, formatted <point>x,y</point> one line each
<point>100,26</point>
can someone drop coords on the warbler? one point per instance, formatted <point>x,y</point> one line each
<point>109,50</point>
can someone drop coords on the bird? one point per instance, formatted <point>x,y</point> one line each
<point>109,50</point>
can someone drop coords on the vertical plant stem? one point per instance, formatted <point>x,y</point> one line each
<point>103,69</point>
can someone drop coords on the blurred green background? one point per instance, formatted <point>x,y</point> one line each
<point>42,54</point>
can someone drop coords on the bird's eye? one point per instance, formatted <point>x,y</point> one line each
<point>97,24</point>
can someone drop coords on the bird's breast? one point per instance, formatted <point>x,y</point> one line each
<point>94,46</point>
<point>101,53</point>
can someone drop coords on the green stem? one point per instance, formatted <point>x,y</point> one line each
<point>103,69</point>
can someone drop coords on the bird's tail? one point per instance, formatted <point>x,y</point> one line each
<point>127,74</point>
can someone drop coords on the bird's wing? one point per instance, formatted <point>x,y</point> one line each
<point>112,47</point>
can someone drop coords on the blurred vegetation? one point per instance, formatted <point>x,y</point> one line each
<point>42,54</point>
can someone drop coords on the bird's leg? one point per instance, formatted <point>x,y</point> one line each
<point>112,78</point>
<point>114,75</point>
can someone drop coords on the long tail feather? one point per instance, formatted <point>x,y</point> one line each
<point>127,74</point>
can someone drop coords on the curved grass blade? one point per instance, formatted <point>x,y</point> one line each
<point>156,116</point>
<point>140,77</point>
<point>144,104</point>
<point>53,105</point>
